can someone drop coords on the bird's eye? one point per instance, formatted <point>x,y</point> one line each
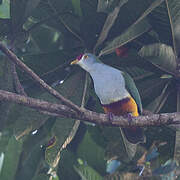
<point>85,56</point>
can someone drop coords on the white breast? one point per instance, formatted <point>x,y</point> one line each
<point>108,83</point>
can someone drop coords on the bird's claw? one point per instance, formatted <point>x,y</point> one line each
<point>110,116</point>
<point>129,116</point>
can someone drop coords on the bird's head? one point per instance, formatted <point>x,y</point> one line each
<point>86,61</point>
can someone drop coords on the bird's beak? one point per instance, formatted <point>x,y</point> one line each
<point>74,62</point>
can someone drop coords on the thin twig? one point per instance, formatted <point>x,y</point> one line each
<point>18,87</point>
<point>65,25</point>
<point>20,90</point>
<point>85,90</point>
<point>35,77</point>
<point>34,26</point>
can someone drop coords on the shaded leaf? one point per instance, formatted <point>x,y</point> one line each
<point>95,22</point>
<point>177,140</point>
<point>87,173</point>
<point>41,177</point>
<point>30,6</point>
<point>5,27</point>
<point>166,168</point>
<point>20,10</point>
<point>5,9</point>
<point>6,83</point>
<point>109,23</point>
<point>63,128</point>
<point>156,105</point>
<point>146,85</point>
<point>25,124</point>
<point>12,155</point>
<point>133,32</point>
<point>160,55</point>
<point>106,6</point>
<point>65,167</point>
<point>163,20</point>
<point>93,156</point>
<point>77,7</point>
<point>33,152</point>
<point>39,62</point>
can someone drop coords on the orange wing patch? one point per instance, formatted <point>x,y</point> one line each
<point>124,106</point>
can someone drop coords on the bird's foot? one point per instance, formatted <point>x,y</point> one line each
<point>110,116</point>
<point>129,116</point>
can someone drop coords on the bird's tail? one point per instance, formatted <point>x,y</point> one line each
<point>134,135</point>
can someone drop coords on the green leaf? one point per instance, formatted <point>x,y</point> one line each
<point>133,32</point>
<point>66,166</point>
<point>87,173</point>
<point>41,177</point>
<point>65,129</point>
<point>39,62</point>
<point>163,20</point>
<point>30,6</point>
<point>109,23</point>
<point>5,9</point>
<point>160,55</point>
<point>177,140</point>
<point>106,6</point>
<point>32,158</point>
<point>77,7</point>
<point>93,156</point>
<point>20,11</point>
<point>6,83</point>
<point>156,105</point>
<point>146,85</point>
<point>11,159</point>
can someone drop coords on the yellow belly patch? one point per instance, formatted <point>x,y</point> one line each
<point>124,106</point>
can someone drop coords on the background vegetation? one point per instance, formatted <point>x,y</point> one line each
<point>137,36</point>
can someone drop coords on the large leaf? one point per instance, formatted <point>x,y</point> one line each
<point>163,19</point>
<point>5,9</point>
<point>65,129</point>
<point>41,177</point>
<point>6,83</point>
<point>146,85</point>
<point>106,6</point>
<point>177,140</point>
<point>161,56</point>
<point>94,156</point>
<point>66,166</point>
<point>25,124</point>
<point>12,156</point>
<point>109,23</point>
<point>77,7</point>
<point>135,30</point>
<point>156,105</point>
<point>5,27</point>
<point>20,10</point>
<point>33,154</point>
<point>87,173</point>
<point>39,62</point>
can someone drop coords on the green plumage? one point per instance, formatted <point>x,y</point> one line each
<point>131,87</point>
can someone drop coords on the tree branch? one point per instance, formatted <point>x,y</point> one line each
<point>35,77</point>
<point>90,116</point>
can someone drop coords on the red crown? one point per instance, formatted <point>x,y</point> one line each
<point>79,57</point>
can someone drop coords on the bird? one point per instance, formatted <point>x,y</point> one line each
<point>116,91</point>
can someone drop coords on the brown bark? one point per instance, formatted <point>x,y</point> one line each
<point>35,77</point>
<point>90,116</point>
